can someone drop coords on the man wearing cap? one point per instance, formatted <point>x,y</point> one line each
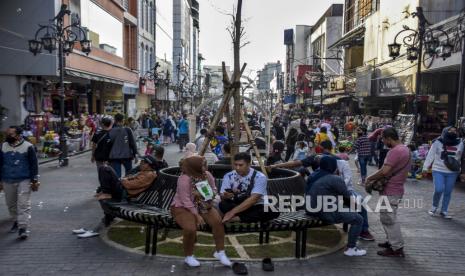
<point>113,188</point>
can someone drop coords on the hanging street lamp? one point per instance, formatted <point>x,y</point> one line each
<point>56,36</point>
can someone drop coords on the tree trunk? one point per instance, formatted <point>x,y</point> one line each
<point>237,64</point>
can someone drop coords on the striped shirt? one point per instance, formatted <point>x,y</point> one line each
<point>363,146</point>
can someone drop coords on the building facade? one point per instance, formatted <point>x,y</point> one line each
<point>93,83</point>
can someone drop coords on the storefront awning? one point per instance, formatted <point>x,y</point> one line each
<point>334,100</point>
<point>89,76</point>
<point>350,38</point>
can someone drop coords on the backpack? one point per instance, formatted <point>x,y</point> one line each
<point>120,139</point>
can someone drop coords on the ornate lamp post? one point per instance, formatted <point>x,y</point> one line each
<point>416,42</point>
<point>57,36</point>
<point>157,78</point>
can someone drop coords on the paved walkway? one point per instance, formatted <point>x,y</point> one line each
<point>433,245</point>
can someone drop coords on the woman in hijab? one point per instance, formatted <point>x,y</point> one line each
<point>444,176</point>
<point>192,209</point>
<point>191,150</point>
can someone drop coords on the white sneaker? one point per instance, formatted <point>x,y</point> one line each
<point>446,215</point>
<point>221,256</point>
<point>88,234</point>
<point>354,251</point>
<point>432,212</point>
<point>191,261</point>
<point>79,231</point>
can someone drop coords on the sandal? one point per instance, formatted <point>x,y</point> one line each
<point>267,264</point>
<point>239,269</point>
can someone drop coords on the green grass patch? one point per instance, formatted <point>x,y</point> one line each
<point>130,237</point>
<point>281,234</point>
<point>128,223</point>
<point>328,238</point>
<point>282,250</point>
<point>201,251</point>
<point>252,239</point>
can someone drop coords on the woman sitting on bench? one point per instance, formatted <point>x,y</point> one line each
<point>192,206</point>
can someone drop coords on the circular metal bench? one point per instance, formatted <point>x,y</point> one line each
<point>152,208</point>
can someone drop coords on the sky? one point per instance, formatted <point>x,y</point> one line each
<point>265,22</point>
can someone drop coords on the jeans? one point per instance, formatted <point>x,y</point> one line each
<point>110,183</point>
<point>116,165</point>
<point>443,185</point>
<point>363,213</point>
<point>182,140</point>
<point>354,219</point>
<point>363,161</point>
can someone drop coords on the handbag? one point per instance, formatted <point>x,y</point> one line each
<point>380,183</point>
<point>242,196</point>
<point>450,162</point>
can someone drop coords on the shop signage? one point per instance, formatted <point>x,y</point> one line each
<point>148,88</point>
<point>393,86</point>
<point>385,113</point>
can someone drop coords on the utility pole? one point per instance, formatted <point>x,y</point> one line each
<point>461,91</point>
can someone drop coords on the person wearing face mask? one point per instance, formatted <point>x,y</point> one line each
<point>19,175</point>
<point>443,177</point>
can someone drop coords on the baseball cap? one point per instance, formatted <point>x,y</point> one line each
<point>149,160</point>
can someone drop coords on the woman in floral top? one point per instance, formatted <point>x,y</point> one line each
<point>191,211</point>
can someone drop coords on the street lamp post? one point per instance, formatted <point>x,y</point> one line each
<point>65,37</point>
<point>415,41</point>
<point>158,78</point>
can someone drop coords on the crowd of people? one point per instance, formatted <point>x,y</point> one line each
<point>313,147</point>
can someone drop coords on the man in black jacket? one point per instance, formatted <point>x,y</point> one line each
<point>124,148</point>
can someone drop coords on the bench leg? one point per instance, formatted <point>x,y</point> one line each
<point>303,252</point>
<point>154,240</point>
<point>297,244</point>
<point>260,238</point>
<point>267,237</point>
<point>148,236</point>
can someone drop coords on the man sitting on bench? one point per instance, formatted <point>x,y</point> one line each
<point>111,187</point>
<point>242,193</point>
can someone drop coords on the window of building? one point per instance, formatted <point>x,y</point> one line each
<point>147,62</point>
<point>142,13</point>
<point>146,15</point>
<point>356,12</point>
<point>318,50</point>
<point>141,58</point>
<point>151,18</point>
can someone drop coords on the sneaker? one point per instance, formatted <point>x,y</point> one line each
<point>88,234</point>
<point>354,251</point>
<point>445,215</point>
<point>432,212</point>
<point>14,228</point>
<point>79,231</point>
<point>384,245</point>
<point>366,236</point>
<point>389,252</point>
<point>191,261</point>
<point>22,234</point>
<point>221,256</point>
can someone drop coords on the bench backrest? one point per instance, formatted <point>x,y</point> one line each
<point>161,194</point>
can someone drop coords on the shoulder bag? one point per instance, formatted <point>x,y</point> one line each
<point>380,183</point>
